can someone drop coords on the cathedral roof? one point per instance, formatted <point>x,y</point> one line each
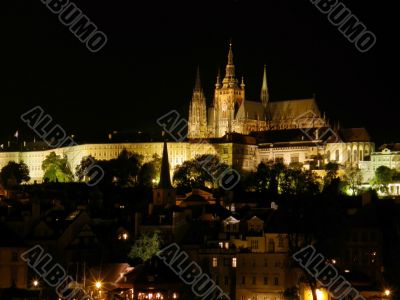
<point>251,110</point>
<point>355,135</point>
<point>292,109</point>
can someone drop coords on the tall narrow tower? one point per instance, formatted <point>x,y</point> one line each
<point>164,193</point>
<point>264,89</point>
<point>197,127</point>
<point>228,97</point>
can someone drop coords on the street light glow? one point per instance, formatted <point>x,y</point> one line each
<point>98,284</point>
<point>35,283</point>
<point>387,292</point>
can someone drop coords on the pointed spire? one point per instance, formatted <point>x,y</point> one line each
<point>264,89</point>
<point>230,68</point>
<point>230,54</point>
<point>242,85</point>
<point>165,178</point>
<point>197,86</point>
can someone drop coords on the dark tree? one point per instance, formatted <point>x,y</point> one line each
<point>383,176</point>
<point>199,172</point>
<point>331,169</point>
<point>82,171</point>
<point>126,168</point>
<point>150,172</point>
<point>14,174</point>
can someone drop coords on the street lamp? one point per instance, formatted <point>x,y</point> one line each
<point>387,293</point>
<point>98,285</point>
<point>35,283</point>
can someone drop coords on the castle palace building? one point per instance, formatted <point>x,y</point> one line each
<point>241,132</point>
<point>230,111</point>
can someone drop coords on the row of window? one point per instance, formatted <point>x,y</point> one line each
<point>234,262</point>
<point>266,281</point>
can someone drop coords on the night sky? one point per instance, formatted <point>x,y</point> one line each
<point>148,66</point>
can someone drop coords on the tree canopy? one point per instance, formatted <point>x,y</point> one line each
<point>56,168</point>
<point>383,176</point>
<point>199,172</point>
<point>146,246</point>
<point>14,174</point>
<point>150,171</point>
<point>277,178</point>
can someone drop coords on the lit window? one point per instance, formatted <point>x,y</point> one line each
<point>234,262</point>
<point>214,262</point>
<point>221,244</point>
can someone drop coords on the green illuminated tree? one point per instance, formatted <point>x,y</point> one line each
<point>353,179</point>
<point>14,174</point>
<point>56,168</point>
<point>146,246</point>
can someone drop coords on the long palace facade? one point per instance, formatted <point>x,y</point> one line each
<point>241,132</point>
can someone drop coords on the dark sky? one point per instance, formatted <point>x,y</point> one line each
<point>148,66</point>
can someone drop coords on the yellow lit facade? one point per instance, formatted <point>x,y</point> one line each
<point>322,294</point>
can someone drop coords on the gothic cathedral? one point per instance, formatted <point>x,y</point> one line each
<point>232,112</point>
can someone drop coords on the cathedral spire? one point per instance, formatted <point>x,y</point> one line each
<point>165,178</point>
<point>230,54</point>
<point>230,67</point>
<point>264,89</point>
<point>197,86</point>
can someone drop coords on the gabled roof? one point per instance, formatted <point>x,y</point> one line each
<point>251,110</point>
<point>231,219</point>
<point>355,135</point>
<point>255,218</point>
<point>292,109</point>
<point>391,147</point>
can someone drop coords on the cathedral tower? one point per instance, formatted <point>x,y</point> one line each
<point>197,127</point>
<point>228,97</point>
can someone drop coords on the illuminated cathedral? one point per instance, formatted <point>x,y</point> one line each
<point>230,111</point>
<point>241,132</point>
